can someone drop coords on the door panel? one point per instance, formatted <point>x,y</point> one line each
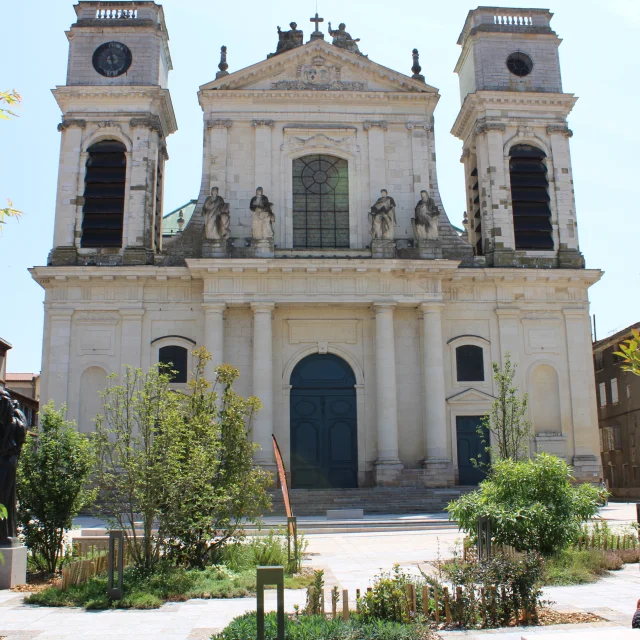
<point>324,427</point>
<point>470,447</point>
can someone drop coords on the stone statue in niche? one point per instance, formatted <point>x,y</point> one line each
<point>425,224</point>
<point>263,216</point>
<point>343,39</point>
<point>216,217</point>
<point>13,433</point>
<point>288,40</point>
<point>383,217</point>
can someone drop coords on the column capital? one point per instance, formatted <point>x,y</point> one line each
<point>263,307</point>
<point>575,313</point>
<point>508,312</point>
<point>133,314</point>
<point>431,307</point>
<point>214,307</point>
<point>381,306</point>
<point>58,312</point>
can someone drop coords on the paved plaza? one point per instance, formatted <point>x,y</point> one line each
<point>350,560</point>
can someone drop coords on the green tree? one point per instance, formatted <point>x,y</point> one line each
<point>53,485</point>
<point>630,353</point>
<point>210,456</point>
<point>9,98</point>
<point>506,421</point>
<point>131,466</point>
<point>533,504</point>
<point>182,464</point>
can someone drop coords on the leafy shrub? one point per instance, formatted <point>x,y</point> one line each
<point>388,598</point>
<point>571,566</point>
<point>52,486</point>
<point>532,504</point>
<point>516,581</point>
<point>320,628</point>
<point>313,606</point>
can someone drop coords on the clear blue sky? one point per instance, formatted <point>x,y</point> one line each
<point>598,65</point>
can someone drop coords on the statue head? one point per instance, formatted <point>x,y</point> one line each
<point>259,191</point>
<point>342,26</point>
<point>214,191</point>
<point>424,194</point>
<point>383,193</point>
<point>293,25</point>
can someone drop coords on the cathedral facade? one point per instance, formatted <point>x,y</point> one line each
<point>318,258</point>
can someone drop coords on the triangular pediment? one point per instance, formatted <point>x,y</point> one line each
<point>470,396</point>
<point>319,65</point>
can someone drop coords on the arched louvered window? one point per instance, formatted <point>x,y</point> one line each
<point>176,358</point>
<point>470,363</point>
<point>530,198</point>
<point>103,209</point>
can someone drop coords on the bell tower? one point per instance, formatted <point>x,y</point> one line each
<point>513,125</point>
<point>116,115</point>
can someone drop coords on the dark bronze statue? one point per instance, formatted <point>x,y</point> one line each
<point>13,433</point>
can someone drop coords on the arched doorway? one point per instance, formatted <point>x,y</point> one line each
<point>324,427</point>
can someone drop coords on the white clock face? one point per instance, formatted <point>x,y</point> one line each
<point>112,59</point>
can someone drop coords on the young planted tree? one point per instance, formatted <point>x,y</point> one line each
<point>53,485</point>
<point>180,464</point>
<point>506,421</point>
<point>630,353</point>
<point>131,459</point>
<point>10,99</point>
<point>216,485</point>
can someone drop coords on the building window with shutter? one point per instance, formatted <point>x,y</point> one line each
<point>104,182</point>
<point>530,198</point>
<point>614,390</point>
<point>602,389</point>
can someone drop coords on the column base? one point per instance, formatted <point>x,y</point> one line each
<point>429,249</point>
<point>263,248</point>
<point>383,248</point>
<point>13,568</point>
<point>438,472</point>
<point>587,468</point>
<point>215,248</point>
<point>387,473</point>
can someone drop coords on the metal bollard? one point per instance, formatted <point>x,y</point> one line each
<point>115,593</point>
<point>270,576</point>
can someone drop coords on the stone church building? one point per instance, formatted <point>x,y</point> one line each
<point>318,258</point>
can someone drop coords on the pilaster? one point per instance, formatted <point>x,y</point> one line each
<point>262,171</point>
<point>214,336</point>
<point>377,167</point>
<point>56,385</point>
<point>131,337</point>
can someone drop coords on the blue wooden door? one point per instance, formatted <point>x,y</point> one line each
<point>324,446</point>
<point>471,447</point>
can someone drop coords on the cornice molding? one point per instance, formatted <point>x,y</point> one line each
<point>65,124</point>
<point>218,124</point>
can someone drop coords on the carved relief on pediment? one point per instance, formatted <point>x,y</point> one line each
<point>319,76</point>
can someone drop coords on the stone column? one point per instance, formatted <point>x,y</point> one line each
<point>582,386</point>
<point>214,336</point>
<point>388,465</point>
<point>437,462</point>
<point>263,382</point>
<point>262,171</point>
<point>57,371</point>
<point>131,337</point>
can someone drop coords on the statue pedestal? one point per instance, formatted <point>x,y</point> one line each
<point>429,249</point>
<point>383,248</point>
<point>215,248</point>
<point>13,566</point>
<point>262,248</point>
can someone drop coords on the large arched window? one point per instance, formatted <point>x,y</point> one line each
<point>103,210</point>
<point>530,198</point>
<point>469,363</point>
<point>176,358</point>
<point>320,202</point>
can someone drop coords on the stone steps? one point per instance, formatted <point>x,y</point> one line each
<point>373,500</point>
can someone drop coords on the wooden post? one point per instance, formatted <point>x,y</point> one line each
<point>436,604</point>
<point>411,597</point>
<point>425,600</point>
<point>484,607</point>
<point>494,615</point>
<point>322,602</point>
<point>447,609</point>
<point>270,576</point>
<point>357,600</point>
<point>345,604</point>
<point>459,611</point>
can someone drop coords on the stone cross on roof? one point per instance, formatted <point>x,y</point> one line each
<point>317,34</point>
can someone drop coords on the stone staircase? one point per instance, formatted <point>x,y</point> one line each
<point>373,500</point>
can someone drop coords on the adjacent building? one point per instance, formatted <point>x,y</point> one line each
<point>318,257</point>
<point>618,394</point>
